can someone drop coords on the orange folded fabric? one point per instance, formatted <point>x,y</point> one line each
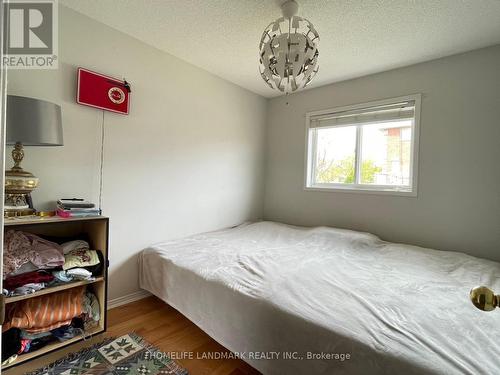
<point>44,313</point>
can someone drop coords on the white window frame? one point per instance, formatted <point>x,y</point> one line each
<point>310,152</point>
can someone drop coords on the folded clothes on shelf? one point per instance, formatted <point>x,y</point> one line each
<point>74,245</point>
<point>25,346</point>
<point>28,259</point>
<point>46,312</point>
<point>91,311</point>
<point>97,269</point>
<point>17,341</point>
<point>47,254</point>
<point>33,336</point>
<point>11,343</point>
<point>25,268</point>
<point>17,281</point>
<point>31,282</point>
<point>22,247</point>
<point>40,343</point>
<point>72,275</point>
<point>66,332</point>
<point>80,258</point>
<point>26,283</point>
<point>61,277</point>
<point>25,289</point>
<point>77,254</point>
<point>80,274</point>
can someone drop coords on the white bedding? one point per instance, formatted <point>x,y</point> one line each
<point>269,287</point>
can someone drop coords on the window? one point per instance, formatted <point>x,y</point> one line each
<point>366,147</point>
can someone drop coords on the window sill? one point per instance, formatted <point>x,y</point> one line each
<point>363,190</point>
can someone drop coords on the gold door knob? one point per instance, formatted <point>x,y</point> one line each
<point>484,298</point>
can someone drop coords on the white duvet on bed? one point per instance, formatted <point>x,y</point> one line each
<point>269,287</point>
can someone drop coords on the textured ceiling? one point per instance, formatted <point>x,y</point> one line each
<point>358,37</point>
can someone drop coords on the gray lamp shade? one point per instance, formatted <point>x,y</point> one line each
<point>33,122</point>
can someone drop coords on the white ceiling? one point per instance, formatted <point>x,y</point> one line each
<point>358,37</point>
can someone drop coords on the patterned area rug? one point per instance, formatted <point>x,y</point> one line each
<point>126,355</point>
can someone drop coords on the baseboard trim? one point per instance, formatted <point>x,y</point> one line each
<point>132,297</point>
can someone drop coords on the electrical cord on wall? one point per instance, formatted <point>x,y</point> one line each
<point>102,164</point>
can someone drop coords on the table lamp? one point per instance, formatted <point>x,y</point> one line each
<point>30,122</point>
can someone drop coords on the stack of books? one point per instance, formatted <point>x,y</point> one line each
<point>76,207</point>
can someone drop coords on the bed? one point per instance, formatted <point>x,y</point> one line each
<point>344,301</point>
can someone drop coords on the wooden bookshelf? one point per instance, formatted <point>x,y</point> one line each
<point>53,289</point>
<point>97,231</point>
<point>49,348</point>
<point>28,220</point>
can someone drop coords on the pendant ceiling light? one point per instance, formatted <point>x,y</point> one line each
<point>289,51</point>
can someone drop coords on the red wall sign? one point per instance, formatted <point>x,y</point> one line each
<point>104,92</point>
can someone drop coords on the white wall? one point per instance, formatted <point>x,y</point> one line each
<point>458,203</point>
<point>188,159</point>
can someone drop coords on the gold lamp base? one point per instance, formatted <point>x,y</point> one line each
<point>18,187</point>
<point>18,212</point>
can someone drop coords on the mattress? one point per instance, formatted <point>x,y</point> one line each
<point>292,300</point>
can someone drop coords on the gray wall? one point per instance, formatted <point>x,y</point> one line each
<point>188,159</point>
<point>458,203</point>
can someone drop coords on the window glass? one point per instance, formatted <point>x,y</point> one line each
<point>369,146</point>
<point>386,153</point>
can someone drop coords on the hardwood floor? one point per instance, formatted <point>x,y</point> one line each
<point>170,331</point>
<point>167,329</point>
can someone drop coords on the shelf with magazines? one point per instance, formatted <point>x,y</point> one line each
<point>87,295</point>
